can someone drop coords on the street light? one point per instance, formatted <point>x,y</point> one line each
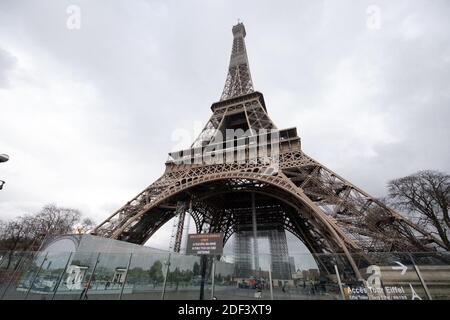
<point>3,158</point>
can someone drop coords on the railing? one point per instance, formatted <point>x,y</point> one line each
<point>97,275</point>
<point>241,146</point>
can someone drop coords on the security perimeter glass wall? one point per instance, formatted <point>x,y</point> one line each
<point>184,277</point>
<point>144,279</point>
<point>158,275</point>
<point>231,281</point>
<point>434,270</point>
<point>48,276</point>
<point>382,276</point>
<point>18,270</point>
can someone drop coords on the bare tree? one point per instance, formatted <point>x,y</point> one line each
<point>53,220</point>
<point>425,196</point>
<point>28,232</point>
<point>15,235</point>
<point>87,224</point>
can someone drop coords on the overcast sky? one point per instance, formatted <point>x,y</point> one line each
<point>88,115</point>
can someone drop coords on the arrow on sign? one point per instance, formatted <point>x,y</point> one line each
<point>402,267</point>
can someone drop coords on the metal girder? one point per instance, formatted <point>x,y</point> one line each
<point>239,79</point>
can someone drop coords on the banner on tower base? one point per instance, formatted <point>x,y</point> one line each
<point>205,244</point>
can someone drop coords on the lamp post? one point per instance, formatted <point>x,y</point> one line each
<point>3,158</point>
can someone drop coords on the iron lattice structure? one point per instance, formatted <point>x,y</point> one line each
<point>291,190</point>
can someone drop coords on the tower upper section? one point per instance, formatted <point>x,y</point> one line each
<point>239,80</point>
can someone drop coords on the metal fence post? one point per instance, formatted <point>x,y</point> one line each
<point>213,271</point>
<point>339,282</point>
<point>422,282</point>
<point>15,271</point>
<point>36,275</point>
<point>62,276</point>
<point>125,278</point>
<point>90,278</point>
<point>165,278</point>
<point>203,266</point>
<point>270,282</point>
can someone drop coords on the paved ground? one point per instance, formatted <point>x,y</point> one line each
<point>192,293</point>
<point>172,292</point>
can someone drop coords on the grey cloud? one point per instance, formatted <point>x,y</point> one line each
<point>371,105</point>
<point>7,63</point>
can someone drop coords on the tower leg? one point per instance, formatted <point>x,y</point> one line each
<point>181,212</point>
<point>187,227</point>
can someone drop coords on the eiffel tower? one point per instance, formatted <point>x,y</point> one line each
<point>257,182</point>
